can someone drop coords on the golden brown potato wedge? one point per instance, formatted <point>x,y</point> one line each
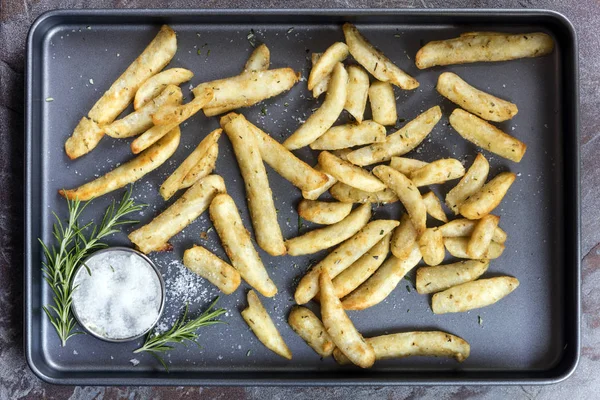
<point>259,60</point>
<point>488,197</point>
<point>205,166</point>
<point>323,212</point>
<point>349,135</point>
<point>473,180</point>
<point>442,277</point>
<point>438,171</point>
<point>324,65</point>
<point>431,245</point>
<point>320,87</point>
<point>310,328</point>
<point>434,207</point>
<point>406,165</point>
<point>156,84</point>
<point>482,235</point>
<point>472,295</point>
<point>204,263</point>
<point>358,90</point>
<point>457,247</point>
<point>315,193</point>
<point>383,103</point>
<point>404,238</point>
<point>464,227</point>
<point>347,194</point>
<point>349,174</point>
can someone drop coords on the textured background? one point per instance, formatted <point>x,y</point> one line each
<point>17,381</point>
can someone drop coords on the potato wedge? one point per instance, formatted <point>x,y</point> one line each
<point>480,103</point>
<point>324,65</point>
<point>464,227</point>
<point>353,276</point>
<point>140,120</point>
<point>342,257</point>
<point>438,171</point>
<point>342,153</point>
<point>204,263</point>
<point>349,174</point>
<point>442,277</point>
<point>320,87</point>
<point>482,235</point>
<point>434,207</point>
<point>259,60</point>
<point>347,194</point>
<point>487,136</point>
<point>375,62</point>
<point>406,165</point>
<point>358,91</point>
<point>403,238</point>
<point>349,135</point>
<point>383,103</point>
<point>400,142</point>
<point>155,57</point>
<point>382,282</point>
<point>329,236</point>
<point>175,181</point>
<point>246,89</point>
<point>262,325</point>
<point>408,344</point>
<point>407,192</point>
<point>457,247</point>
<point>488,197</point>
<point>205,166</point>
<point>340,328</point>
<point>258,192</point>
<point>155,235</point>
<point>472,295</point>
<point>323,212</point>
<point>157,83</point>
<point>322,119</point>
<point>483,47</point>
<point>315,193</point>
<point>128,172</point>
<point>310,328</point>
<point>431,245</point>
<point>470,183</point>
<point>238,245</point>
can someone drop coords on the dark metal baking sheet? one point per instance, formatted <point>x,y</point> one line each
<point>532,336</point>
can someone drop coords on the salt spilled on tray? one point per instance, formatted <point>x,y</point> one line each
<point>122,297</point>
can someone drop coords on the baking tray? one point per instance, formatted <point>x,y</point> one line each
<point>532,336</point>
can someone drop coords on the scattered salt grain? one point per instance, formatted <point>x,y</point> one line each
<point>134,362</point>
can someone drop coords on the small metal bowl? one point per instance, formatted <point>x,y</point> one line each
<point>160,279</point>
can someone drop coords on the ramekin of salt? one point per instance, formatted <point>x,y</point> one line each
<point>118,294</point>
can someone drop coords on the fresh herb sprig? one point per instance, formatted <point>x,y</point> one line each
<point>180,332</point>
<point>75,242</point>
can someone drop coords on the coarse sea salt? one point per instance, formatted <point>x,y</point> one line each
<point>122,296</point>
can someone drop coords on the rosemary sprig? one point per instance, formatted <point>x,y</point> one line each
<point>180,332</point>
<point>75,242</point>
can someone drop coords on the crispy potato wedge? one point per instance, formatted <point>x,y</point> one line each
<point>342,257</point>
<point>482,235</point>
<point>205,166</point>
<point>442,277</point>
<point>340,328</point>
<point>487,136</point>
<point>403,238</point>
<point>464,227</point>
<point>457,247</point>
<point>349,135</point>
<point>473,180</point>
<point>329,236</point>
<point>258,192</point>
<point>480,103</point>
<point>375,62</point>
<point>434,207</point>
<point>358,91</point>
<point>431,245</point>
<point>262,325</point>
<point>320,87</point>
<point>155,235</point>
<point>438,171</point>
<point>483,47</point>
<point>315,193</point>
<point>238,245</point>
<point>323,212</point>
<point>488,197</point>
<point>408,344</point>
<point>407,192</point>
<point>116,99</point>
<point>204,263</point>
<point>259,60</point>
<point>140,120</point>
<point>175,181</point>
<point>310,328</point>
<point>324,65</point>
<point>406,165</point>
<point>349,174</point>
<point>157,83</point>
<point>383,103</point>
<point>472,295</point>
<point>246,89</point>
<point>353,276</point>
<point>322,119</point>
<point>400,142</point>
<point>347,194</point>
<point>382,282</point>
<point>128,172</point>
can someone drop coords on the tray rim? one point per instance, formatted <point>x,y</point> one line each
<point>572,164</point>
